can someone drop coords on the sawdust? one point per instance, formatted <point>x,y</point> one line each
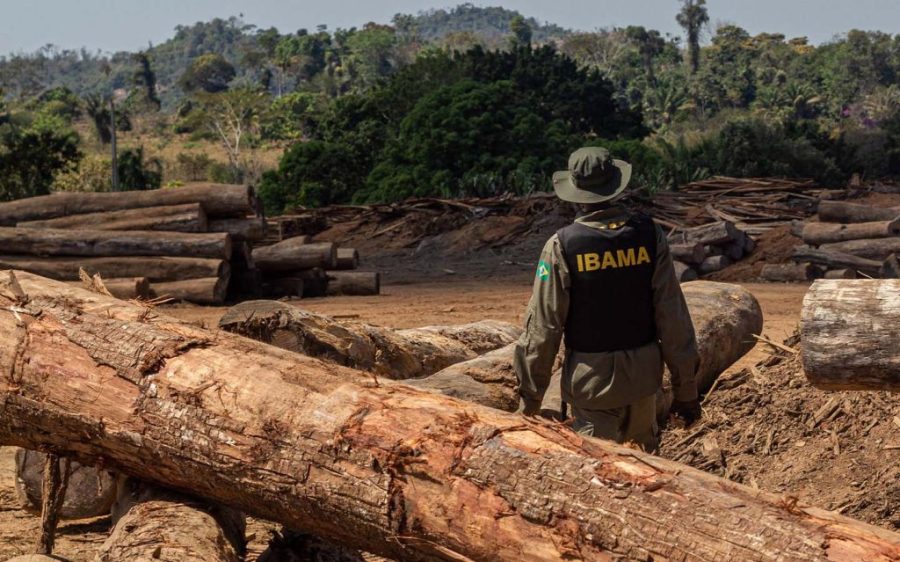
<point>766,427</point>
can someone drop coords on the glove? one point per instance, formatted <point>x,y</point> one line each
<point>689,410</point>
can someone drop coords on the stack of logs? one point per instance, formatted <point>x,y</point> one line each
<point>848,240</point>
<point>193,243</point>
<point>301,268</point>
<point>708,248</point>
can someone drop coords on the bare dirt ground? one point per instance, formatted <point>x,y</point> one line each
<point>455,298</point>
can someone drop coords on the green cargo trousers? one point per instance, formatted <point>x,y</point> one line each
<point>635,423</point>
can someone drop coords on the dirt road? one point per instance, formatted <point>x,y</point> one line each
<point>456,300</point>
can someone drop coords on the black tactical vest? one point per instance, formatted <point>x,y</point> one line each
<point>611,297</point>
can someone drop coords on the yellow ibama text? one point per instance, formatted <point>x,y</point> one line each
<point>619,258</point>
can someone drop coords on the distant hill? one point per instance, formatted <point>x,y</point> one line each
<point>491,23</point>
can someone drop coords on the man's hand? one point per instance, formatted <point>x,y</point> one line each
<point>688,410</point>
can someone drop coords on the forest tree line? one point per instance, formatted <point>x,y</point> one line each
<point>468,101</point>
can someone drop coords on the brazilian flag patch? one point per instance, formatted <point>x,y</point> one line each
<point>543,270</point>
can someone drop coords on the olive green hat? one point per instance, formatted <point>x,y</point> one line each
<point>594,176</point>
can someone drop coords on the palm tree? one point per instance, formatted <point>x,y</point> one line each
<point>692,18</point>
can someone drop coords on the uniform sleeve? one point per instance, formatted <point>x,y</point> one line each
<point>545,321</point>
<point>673,322</point>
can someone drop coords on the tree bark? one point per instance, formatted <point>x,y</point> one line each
<point>156,269</point>
<point>90,492</point>
<point>55,481</point>
<point>790,272</point>
<point>840,274</point>
<point>816,233</point>
<point>217,199</point>
<point>294,254</point>
<point>375,465</point>
<point>849,334</point>
<point>878,249</point>
<point>684,272</point>
<point>243,230</point>
<point>839,211</point>
<point>100,243</point>
<point>189,217</point>
<point>688,253</point>
<point>715,233</point>
<point>347,258</point>
<point>359,283</point>
<point>126,289</point>
<point>836,260</point>
<point>207,290</point>
<point>714,263</point>
<point>158,524</point>
<point>393,354</point>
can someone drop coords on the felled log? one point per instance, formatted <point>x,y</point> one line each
<point>836,260</point>
<point>849,336</point>
<point>688,253</point>
<point>878,249</point>
<point>279,287</point>
<point>206,290</point>
<point>159,524</point>
<point>90,492</point>
<point>840,274</point>
<point>375,465</point>
<point>126,289</point>
<point>714,233</point>
<point>357,283</point>
<point>294,254</point>
<point>890,269</point>
<point>347,258</point>
<point>389,353</point>
<point>241,229</point>
<point>189,217</point>
<point>840,211</point>
<point>816,233</point>
<point>714,263</point>
<point>153,268</point>
<point>735,250</point>
<point>94,243</point>
<point>217,199</point>
<point>684,272</point>
<point>790,272</point>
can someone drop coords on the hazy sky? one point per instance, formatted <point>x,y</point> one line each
<point>26,25</point>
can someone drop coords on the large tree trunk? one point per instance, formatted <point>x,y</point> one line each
<point>839,211</point>
<point>878,249</point>
<point>176,218</point>
<point>790,272</point>
<point>721,232</point>
<point>816,233</point>
<point>375,465</point>
<point>155,269</point>
<point>347,258</point>
<point>850,334</point>
<point>157,524</point>
<point>243,229</point>
<point>207,290</point>
<point>684,272</point>
<point>358,283</point>
<point>693,254</point>
<point>294,254</point>
<point>394,354</point>
<point>217,199</point>
<point>836,260</point>
<point>47,242</point>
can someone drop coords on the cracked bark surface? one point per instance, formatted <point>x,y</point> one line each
<point>378,466</point>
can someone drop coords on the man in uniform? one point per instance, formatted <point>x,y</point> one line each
<point>607,283</point>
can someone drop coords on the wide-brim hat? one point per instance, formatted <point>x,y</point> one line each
<point>594,176</point>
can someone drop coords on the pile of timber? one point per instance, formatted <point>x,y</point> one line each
<point>708,248</point>
<point>848,240</point>
<point>298,267</point>
<point>193,243</point>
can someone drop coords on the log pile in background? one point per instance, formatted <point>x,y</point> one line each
<point>193,243</point>
<point>847,241</point>
<point>708,248</point>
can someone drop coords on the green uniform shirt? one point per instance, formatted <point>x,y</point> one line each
<point>596,381</point>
